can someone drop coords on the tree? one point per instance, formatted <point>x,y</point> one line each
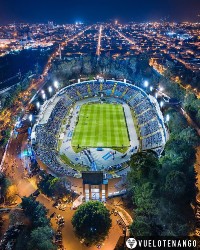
<point>92,222</point>
<point>4,184</point>
<point>176,118</point>
<point>175,185</point>
<point>198,117</point>
<point>189,135</point>
<point>54,186</point>
<point>41,239</point>
<point>35,211</point>
<point>143,199</point>
<point>11,194</point>
<point>144,166</point>
<point>140,227</point>
<point>179,148</point>
<point>173,218</point>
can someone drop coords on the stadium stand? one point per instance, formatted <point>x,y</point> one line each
<point>151,127</point>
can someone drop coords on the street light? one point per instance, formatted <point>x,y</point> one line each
<point>167,118</point>
<point>30,117</point>
<point>43,96</point>
<point>50,89</point>
<point>38,105</point>
<point>56,84</point>
<point>161,104</point>
<point>146,84</point>
<point>161,88</point>
<point>151,88</point>
<point>42,91</point>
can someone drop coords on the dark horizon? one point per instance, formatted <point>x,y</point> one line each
<point>88,11</point>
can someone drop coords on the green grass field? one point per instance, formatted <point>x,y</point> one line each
<point>101,125</point>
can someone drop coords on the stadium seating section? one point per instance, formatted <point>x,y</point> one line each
<point>152,131</point>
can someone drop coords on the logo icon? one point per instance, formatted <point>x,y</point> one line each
<point>131,243</point>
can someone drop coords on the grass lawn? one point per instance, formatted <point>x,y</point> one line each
<point>101,125</point>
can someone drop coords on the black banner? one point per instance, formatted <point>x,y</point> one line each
<point>126,243</point>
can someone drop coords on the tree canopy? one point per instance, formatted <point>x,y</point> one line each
<point>35,211</point>
<point>41,239</point>
<point>92,222</point>
<point>53,186</point>
<point>162,189</point>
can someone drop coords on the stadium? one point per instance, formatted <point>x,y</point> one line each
<point>94,127</point>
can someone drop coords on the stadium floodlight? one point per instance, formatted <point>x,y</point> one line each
<point>146,84</point>
<point>43,96</point>
<point>56,84</point>
<point>167,117</point>
<point>50,89</point>
<point>151,88</point>
<point>30,117</point>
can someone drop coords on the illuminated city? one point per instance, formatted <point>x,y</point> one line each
<point>99,126</point>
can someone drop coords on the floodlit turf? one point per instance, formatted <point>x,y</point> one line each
<point>101,125</point>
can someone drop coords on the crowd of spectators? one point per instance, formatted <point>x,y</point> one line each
<point>46,141</point>
<point>119,90</point>
<point>51,159</point>
<point>95,87</point>
<point>45,137</point>
<point>58,113</point>
<point>136,100</point>
<point>146,116</point>
<point>149,128</point>
<point>72,93</point>
<point>152,141</point>
<point>129,94</point>
<point>82,89</point>
<point>143,106</point>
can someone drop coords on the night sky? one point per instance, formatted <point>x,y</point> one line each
<point>69,11</point>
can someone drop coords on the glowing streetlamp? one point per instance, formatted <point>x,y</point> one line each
<point>167,118</point>
<point>161,88</point>
<point>161,104</point>
<point>56,84</point>
<point>43,96</point>
<point>30,119</point>
<point>146,84</point>
<point>38,105</point>
<point>151,88</point>
<point>50,89</point>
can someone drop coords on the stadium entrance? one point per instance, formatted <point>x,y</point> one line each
<point>95,193</point>
<point>95,187</point>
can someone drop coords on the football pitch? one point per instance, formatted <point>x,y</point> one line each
<point>101,125</point>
